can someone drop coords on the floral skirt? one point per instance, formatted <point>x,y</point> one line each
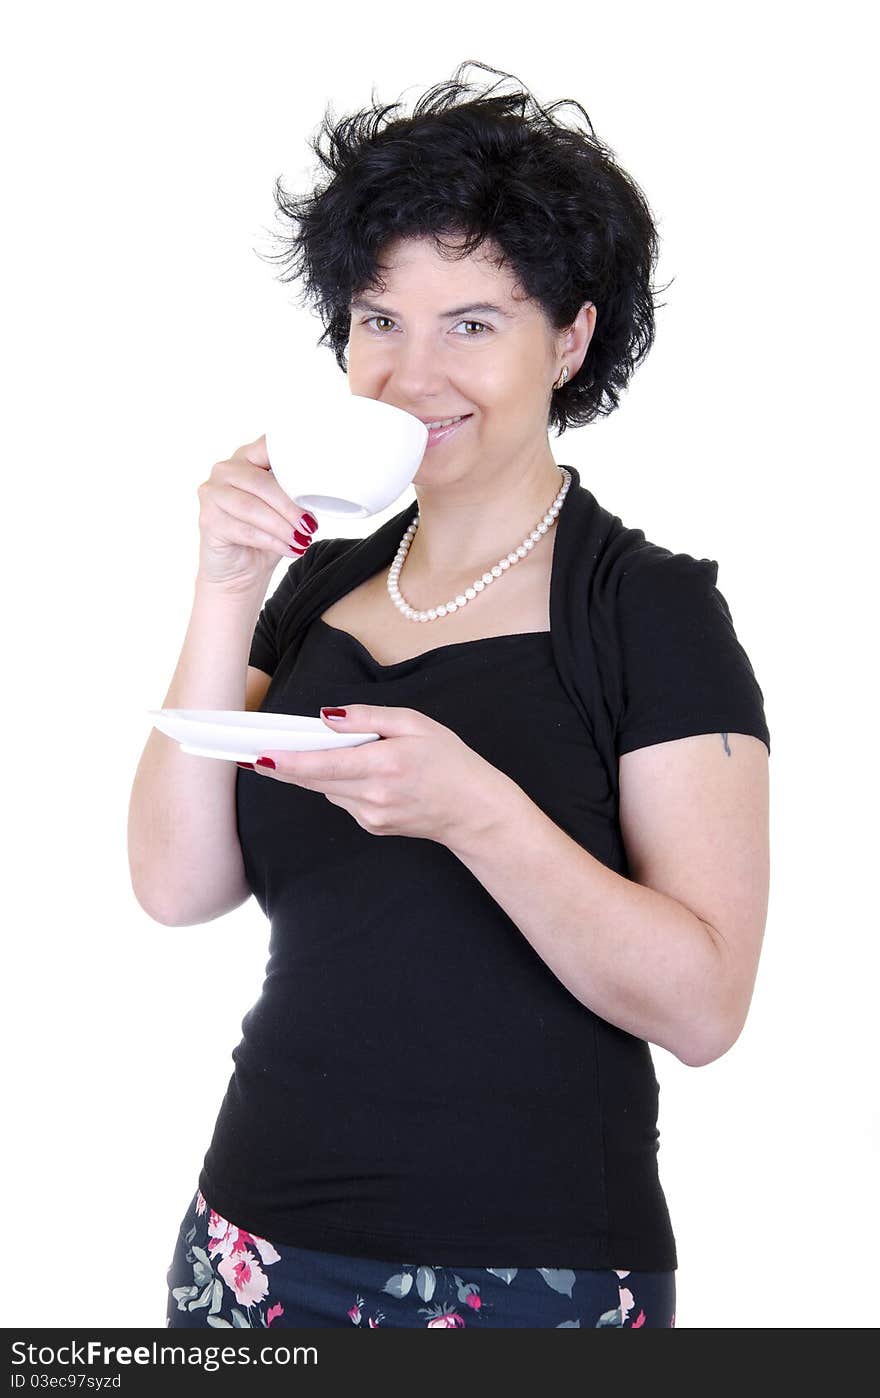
<point>225,1277</point>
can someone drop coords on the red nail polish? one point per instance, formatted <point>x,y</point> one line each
<point>333,713</point>
<point>294,549</point>
<point>265,762</point>
<point>302,539</point>
<point>249,766</point>
<point>309,521</point>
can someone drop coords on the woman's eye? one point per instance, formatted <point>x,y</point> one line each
<point>388,321</point>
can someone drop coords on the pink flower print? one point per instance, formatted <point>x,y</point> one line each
<point>201,1202</point>
<point>273,1313</point>
<point>374,1324</point>
<point>221,1234</point>
<point>225,1240</point>
<point>474,1301</point>
<point>243,1273</point>
<point>268,1255</point>
<point>623,1274</point>
<point>639,1322</point>
<point>627,1301</point>
<point>672,1321</point>
<point>451,1321</point>
<point>354,1314</point>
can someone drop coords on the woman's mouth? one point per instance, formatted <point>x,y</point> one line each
<point>440,434</point>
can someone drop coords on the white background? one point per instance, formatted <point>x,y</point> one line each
<point>142,340</point>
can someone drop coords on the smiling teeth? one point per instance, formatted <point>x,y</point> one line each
<point>447,422</point>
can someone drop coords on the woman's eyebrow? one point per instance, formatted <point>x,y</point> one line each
<point>359,304</point>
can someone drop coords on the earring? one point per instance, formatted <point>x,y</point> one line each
<point>562,377</point>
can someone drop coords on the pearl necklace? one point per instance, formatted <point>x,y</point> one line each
<point>478,584</point>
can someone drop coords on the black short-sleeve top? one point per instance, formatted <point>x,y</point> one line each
<point>414,1083</point>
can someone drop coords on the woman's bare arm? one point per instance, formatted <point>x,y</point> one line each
<point>183,848</point>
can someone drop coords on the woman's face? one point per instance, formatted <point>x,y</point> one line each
<point>424,345</point>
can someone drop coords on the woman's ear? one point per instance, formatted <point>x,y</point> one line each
<point>577,338</point>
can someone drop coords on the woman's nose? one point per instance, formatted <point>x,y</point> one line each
<point>419,373</point>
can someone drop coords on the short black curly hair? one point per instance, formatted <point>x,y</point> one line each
<point>571,223</point>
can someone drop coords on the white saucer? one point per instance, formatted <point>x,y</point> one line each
<point>241,736</point>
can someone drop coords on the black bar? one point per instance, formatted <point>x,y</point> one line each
<point>307,1361</point>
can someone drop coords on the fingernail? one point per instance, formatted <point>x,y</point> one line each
<point>265,762</point>
<point>333,713</point>
<point>302,539</point>
<point>308,521</point>
<point>249,766</point>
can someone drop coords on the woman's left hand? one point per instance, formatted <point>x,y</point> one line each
<point>419,779</point>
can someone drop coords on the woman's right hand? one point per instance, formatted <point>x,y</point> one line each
<point>247,523</point>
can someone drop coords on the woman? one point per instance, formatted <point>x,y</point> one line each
<point>443,1110</point>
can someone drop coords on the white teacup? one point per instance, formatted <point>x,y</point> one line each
<point>369,454</point>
